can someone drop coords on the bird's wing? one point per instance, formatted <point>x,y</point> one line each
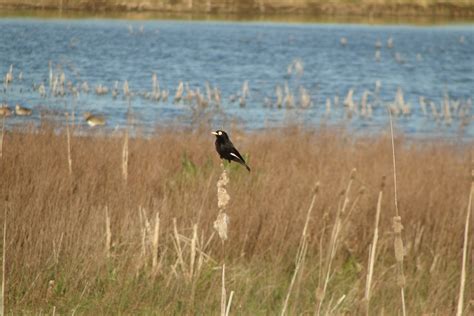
<point>237,155</point>
<point>240,159</point>
<point>234,152</point>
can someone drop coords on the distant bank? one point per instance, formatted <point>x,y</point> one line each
<point>456,9</point>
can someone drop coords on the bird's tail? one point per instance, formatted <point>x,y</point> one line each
<point>243,163</point>
<point>240,160</point>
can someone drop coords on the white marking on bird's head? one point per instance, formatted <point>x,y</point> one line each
<point>218,132</point>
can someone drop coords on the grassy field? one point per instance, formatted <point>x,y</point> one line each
<point>90,242</point>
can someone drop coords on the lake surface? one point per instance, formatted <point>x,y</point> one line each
<point>436,63</point>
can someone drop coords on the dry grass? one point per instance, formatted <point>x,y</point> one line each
<point>87,242</point>
<point>333,7</point>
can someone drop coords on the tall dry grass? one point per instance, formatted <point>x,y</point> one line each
<point>162,253</point>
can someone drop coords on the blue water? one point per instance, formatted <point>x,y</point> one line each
<point>433,62</point>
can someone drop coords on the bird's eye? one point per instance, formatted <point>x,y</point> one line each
<point>220,133</point>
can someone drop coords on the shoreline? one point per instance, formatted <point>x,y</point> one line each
<point>230,17</point>
<point>299,12</point>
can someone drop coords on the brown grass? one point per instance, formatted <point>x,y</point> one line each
<point>58,228</point>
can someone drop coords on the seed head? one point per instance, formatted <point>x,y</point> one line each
<point>220,225</point>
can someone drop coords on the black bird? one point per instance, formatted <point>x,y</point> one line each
<point>226,149</point>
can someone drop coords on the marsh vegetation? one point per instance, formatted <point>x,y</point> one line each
<point>89,240</point>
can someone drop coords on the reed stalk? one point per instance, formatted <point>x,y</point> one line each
<point>338,303</point>
<point>155,243</point>
<point>397,226</point>
<point>201,253</point>
<point>125,156</point>
<point>229,303</point>
<point>223,293</point>
<point>301,253</point>
<point>221,226</point>
<point>74,106</point>
<point>4,256</point>
<point>68,136</point>
<point>464,251</point>
<point>1,138</point>
<point>319,293</point>
<point>177,244</point>
<point>372,250</point>
<point>192,253</point>
<point>333,243</point>
<point>108,234</point>
<point>194,268</point>
<point>57,249</point>
<point>125,140</point>
<point>146,232</point>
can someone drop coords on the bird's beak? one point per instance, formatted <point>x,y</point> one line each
<point>213,133</point>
